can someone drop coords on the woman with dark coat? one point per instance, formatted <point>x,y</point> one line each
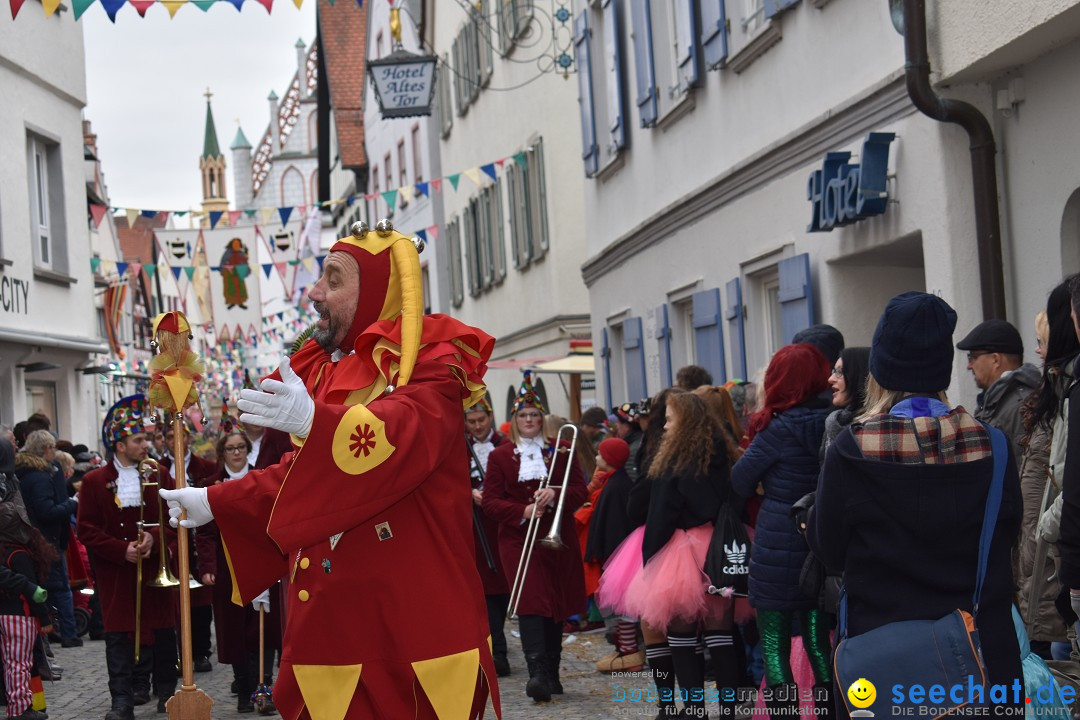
<point>901,498</point>
<point>848,383</point>
<point>782,459</point>
<point>554,585</point>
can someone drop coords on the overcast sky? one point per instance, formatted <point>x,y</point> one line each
<point>145,83</point>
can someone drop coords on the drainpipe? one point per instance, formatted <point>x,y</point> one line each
<point>983,168</point>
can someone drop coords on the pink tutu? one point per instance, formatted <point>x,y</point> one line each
<point>672,584</point>
<point>619,570</point>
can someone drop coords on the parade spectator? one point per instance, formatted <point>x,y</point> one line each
<point>627,428</point>
<point>20,433</point>
<point>237,626</point>
<point>554,586</point>
<point>848,383</point>
<point>1042,467</point>
<point>38,421</point>
<point>44,490</point>
<point>900,501</point>
<point>782,460</point>
<point>483,439</point>
<point>995,357</point>
<point>6,433</point>
<point>691,377</point>
<point>825,338</point>
<point>111,500</point>
<point>1069,542</point>
<point>593,424</point>
<point>722,410</point>
<point>268,445</point>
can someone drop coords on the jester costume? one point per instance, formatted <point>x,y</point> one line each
<point>369,517</point>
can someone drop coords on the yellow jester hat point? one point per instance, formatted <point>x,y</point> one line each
<point>390,286</point>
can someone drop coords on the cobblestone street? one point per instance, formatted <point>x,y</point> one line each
<point>83,693</point>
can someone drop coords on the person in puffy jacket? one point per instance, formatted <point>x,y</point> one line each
<point>781,462</point>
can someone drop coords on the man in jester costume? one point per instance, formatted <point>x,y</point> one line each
<point>369,516</point>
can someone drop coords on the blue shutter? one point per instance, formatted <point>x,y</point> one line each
<point>709,335</point>
<point>796,295</point>
<point>736,328</point>
<point>772,7</point>
<point>688,43</point>
<point>634,354</point>
<point>714,33</point>
<point>613,67</point>
<point>605,355</point>
<point>590,152</point>
<point>641,21</point>
<point>663,338</point>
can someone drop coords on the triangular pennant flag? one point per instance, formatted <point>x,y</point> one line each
<point>50,6</point>
<point>267,268</point>
<point>203,5</point>
<point>489,170</point>
<point>422,188</point>
<point>308,263</point>
<point>406,194</point>
<point>141,6</point>
<point>172,6</point>
<point>180,213</point>
<point>281,267</point>
<point>454,179</point>
<point>108,267</point>
<point>250,213</point>
<point>150,269</point>
<point>433,231</point>
<point>320,260</point>
<point>422,234</point>
<point>135,268</point>
<point>284,212</point>
<point>501,162</point>
<point>474,175</point>
<point>437,184</point>
<point>97,212</point>
<point>294,262</point>
<point>15,6</point>
<point>390,196</point>
<point>242,271</point>
<point>298,3</point>
<point>80,6</point>
<point>266,214</point>
<point>148,214</point>
<point>189,270</point>
<point>215,216</point>
<point>519,158</point>
<point>350,200</point>
<point>236,4</point>
<point>112,7</point>
<point>132,214</point>
<point>266,4</point>
<point>302,209</point>
<point>121,267</point>
<point>176,272</point>
<point>234,215</point>
<point>280,315</point>
<point>95,263</point>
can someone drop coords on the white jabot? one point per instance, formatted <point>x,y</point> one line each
<point>172,464</point>
<point>255,445</point>
<point>230,475</point>
<point>531,452</point>
<point>128,485</point>
<point>483,449</point>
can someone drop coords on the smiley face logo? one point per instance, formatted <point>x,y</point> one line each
<point>862,693</point>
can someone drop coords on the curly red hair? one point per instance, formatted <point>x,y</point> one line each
<point>796,373</point>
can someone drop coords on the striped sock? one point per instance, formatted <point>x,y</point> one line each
<point>626,637</point>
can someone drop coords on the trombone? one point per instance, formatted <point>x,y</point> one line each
<point>553,540</point>
<point>163,577</point>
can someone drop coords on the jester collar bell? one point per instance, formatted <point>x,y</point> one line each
<point>384,227</point>
<point>359,229</point>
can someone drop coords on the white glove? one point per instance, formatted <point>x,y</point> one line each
<point>262,601</point>
<point>191,499</point>
<point>281,404</point>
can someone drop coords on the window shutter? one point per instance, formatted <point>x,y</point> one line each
<point>482,210</point>
<point>512,172</point>
<point>736,328</point>
<point>663,339</point>
<point>536,164</point>
<point>457,283</point>
<point>709,335</point>
<point>486,45</point>
<point>687,33</point>
<point>714,39</point>
<point>605,356</point>
<point>643,61</point>
<point>613,71</point>
<point>774,7</point>
<point>590,152</point>
<point>498,236</point>
<point>796,295</point>
<point>472,42</point>
<point>468,229</point>
<point>634,354</point>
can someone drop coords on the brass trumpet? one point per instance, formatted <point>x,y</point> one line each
<point>553,540</point>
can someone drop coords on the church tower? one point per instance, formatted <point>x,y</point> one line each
<point>212,164</point>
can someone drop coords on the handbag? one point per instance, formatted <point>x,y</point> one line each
<point>943,652</point>
<point>727,561</point>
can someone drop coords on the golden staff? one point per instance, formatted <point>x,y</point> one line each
<point>175,370</point>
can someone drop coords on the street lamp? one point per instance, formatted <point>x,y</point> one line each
<point>896,14</point>
<point>404,82</point>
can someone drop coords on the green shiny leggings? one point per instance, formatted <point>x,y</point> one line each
<point>775,629</point>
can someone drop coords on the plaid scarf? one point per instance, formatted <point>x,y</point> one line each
<point>955,437</point>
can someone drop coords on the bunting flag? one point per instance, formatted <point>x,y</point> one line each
<point>97,212</point>
<point>298,3</point>
<point>15,6</point>
<point>437,184</point>
<point>489,170</point>
<point>176,272</point>
<point>422,234</point>
<point>474,175</point>
<point>519,158</point>
<point>112,7</point>
<point>141,6</point>
<point>406,194</point>
<point>266,4</point>
<point>267,269</point>
<point>215,216</point>
<point>150,269</point>
<point>284,212</point>
<point>500,162</point>
<point>189,270</point>
<point>95,263</point>
<point>171,5</point>
<point>121,267</point>
<point>454,179</point>
<point>390,196</point>
<point>267,214</point>
<point>422,188</point>
<point>234,215</point>
<point>80,7</point>
<point>50,6</point>
<point>433,231</point>
<point>132,216</point>
<point>236,4</point>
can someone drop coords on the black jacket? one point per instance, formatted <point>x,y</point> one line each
<point>45,494</point>
<point>906,537</point>
<point>610,522</point>
<point>1069,538</point>
<point>17,586</point>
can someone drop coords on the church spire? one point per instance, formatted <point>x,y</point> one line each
<point>212,165</point>
<point>210,143</point>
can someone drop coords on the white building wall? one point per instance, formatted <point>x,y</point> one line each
<point>53,320</point>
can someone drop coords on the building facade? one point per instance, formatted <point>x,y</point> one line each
<point>48,322</point>
<point>791,181</point>
<point>514,242</point>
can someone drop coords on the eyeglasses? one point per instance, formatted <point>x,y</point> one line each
<point>530,416</point>
<point>236,448</point>
<point>837,372</point>
<point>975,355</point>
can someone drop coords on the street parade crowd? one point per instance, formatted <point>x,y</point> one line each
<point>725,537</point>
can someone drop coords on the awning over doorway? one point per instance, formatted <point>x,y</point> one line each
<point>569,365</point>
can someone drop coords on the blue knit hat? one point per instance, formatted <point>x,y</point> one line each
<point>912,348</point>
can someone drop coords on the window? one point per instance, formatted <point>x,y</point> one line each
<point>528,205</point>
<point>457,283</point>
<point>774,324</point>
<point>754,29</point>
<point>513,22</point>
<point>473,60</point>
<point>379,45</point>
<point>403,172</point>
<point>446,112</point>
<point>46,203</point>
<point>41,398</point>
<point>425,278</point>
<point>484,240</point>
<point>418,171</point>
